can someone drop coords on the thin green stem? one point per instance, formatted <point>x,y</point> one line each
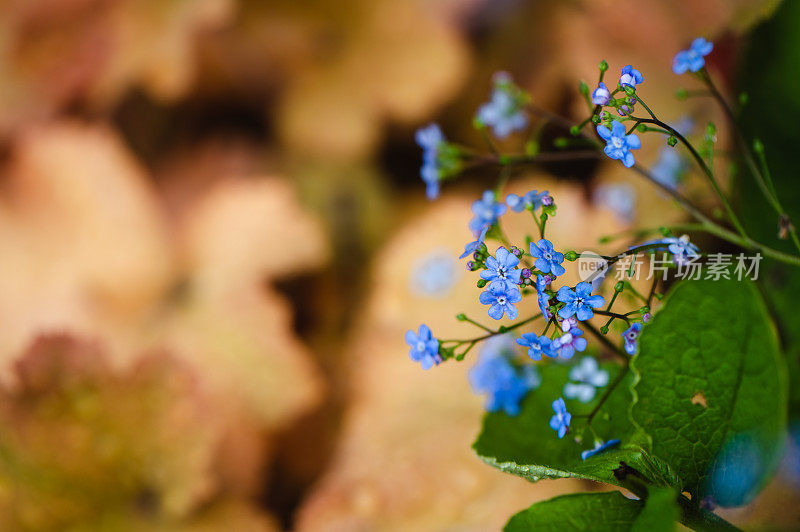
<point>700,161</point>
<point>609,390</point>
<point>476,324</point>
<point>606,342</point>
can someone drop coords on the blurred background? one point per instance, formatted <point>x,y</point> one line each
<point>213,236</point>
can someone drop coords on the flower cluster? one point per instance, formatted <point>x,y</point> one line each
<point>508,273</point>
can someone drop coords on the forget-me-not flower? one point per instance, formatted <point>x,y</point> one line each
<point>531,200</point>
<point>424,347</point>
<point>669,168</point>
<point>620,198</point>
<point>547,259</point>
<point>560,420</point>
<point>601,95</point>
<point>434,274</point>
<point>631,337</point>
<point>682,250</point>
<point>502,268</point>
<point>504,112</point>
<point>501,298</point>
<point>430,139</point>
<point>568,343</point>
<point>585,378</point>
<point>504,384</point>
<point>618,144</point>
<point>630,77</point>
<point>579,302</point>
<point>543,297</point>
<point>472,247</point>
<point>486,211</point>
<point>537,345</point>
<point>599,448</point>
<point>692,59</point>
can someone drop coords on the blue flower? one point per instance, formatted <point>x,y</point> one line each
<point>472,247</point>
<point>587,377</point>
<point>669,168</point>
<point>630,77</point>
<point>537,345</point>
<point>692,59</point>
<point>486,211</point>
<point>495,375</point>
<point>542,281</point>
<point>631,337</point>
<point>504,112</point>
<point>682,250</point>
<point>430,139</point>
<point>570,342</point>
<point>502,269</point>
<point>599,448</point>
<point>547,259</point>
<point>501,297</point>
<point>620,198</point>
<point>579,302</point>
<point>560,420</point>
<point>531,200</point>
<point>601,95</point>
<point>424,347</point>
<point>434,274</point>
<point>618,144</point>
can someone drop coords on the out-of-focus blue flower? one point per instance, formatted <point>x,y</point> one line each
<point>504,384</point>
<point>542,281</point>
<point>585,378</point>
<point>735,475</point>
<point>692,59</point>
<point>682,250</point>
<point>430,139</point>
<point>501,298</point>
<point>630,77</point>
<point>424,347</point>
<point>560,420</point>
<point>568,343</point>
<point>669,168</point>
<point>531,200</point>
<point>620,198</point>
<point>537,345</point>
<point>631,337</point>
<point>618,144</point>
<point>601,95</point>
<point>434,274</point>
<point>486,212</point>
<point>579,302</point>
<point>599,448</point>
<point>504,112</point>
<point>790,466</point>
<point>502,269</point>
<point>547,259</point>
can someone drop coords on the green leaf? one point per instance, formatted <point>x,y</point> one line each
<point>599,512</point>
<point>526,446</point>
<point>711,389</point>
<point>661,511</point>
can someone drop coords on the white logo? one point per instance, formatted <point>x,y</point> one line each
<point>591,266</point>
